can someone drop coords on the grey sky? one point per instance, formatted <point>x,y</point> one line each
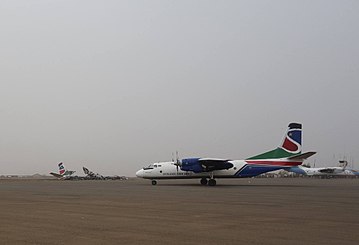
<point>115,85</point>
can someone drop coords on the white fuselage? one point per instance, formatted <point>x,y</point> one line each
<point>240,169</point>
<point>168,170</point>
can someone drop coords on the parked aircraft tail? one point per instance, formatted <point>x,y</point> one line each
<point>343,163</point>
<point>86,171</point>
<point>92,175</point>
<point>62,171</point>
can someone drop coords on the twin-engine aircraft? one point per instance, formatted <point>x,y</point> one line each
<point>287,155</point>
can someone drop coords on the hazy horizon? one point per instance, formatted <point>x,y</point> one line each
<point>116,85</point>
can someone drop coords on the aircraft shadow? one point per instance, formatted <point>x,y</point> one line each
<point>230,185</point>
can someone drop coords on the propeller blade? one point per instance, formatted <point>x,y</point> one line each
<point>178,163</point>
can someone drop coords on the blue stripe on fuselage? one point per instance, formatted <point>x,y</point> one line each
<point>251,170</point>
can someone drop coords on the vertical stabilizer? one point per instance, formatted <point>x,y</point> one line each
<point>62,169</point>
<point>291,144</point>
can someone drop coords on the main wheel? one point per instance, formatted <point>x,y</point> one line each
<point>154,182</point>
<point>204,181</point>
<point>212,182</point>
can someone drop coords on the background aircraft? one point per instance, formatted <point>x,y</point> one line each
<point>63,173</point>
<point>95,176</point>
<point>287,155</point>
<point>325,171</point>
<point>92,175</point>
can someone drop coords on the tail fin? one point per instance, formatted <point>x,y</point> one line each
<point>92,175</point>
<point>343,163</point>
<point>290,146</point>
<point>86,170</point>
<point>62,169</point>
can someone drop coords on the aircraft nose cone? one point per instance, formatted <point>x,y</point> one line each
<point>139,173</point>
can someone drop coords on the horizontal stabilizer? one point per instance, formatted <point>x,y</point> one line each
<point>302,156</point>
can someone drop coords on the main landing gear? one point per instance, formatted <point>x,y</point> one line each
<point>204,181</point>
<point>154,182</point>
<point>210,182</point>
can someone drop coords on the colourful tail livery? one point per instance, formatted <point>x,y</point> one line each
<point>291,145</point>
<point>61,168</point>
<point>292,141</point>
<point>62,172</point>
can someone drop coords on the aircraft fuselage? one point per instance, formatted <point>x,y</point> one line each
<point>240,169</point>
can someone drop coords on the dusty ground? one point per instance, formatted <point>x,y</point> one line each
<point>240,211</point>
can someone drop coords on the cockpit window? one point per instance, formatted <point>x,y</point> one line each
<point>151,166</point>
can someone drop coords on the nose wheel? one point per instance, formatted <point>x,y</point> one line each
<point>154,182</point>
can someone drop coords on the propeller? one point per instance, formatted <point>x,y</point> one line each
<point>178,162</point>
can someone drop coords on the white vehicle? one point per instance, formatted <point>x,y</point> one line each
<point>287,155</point>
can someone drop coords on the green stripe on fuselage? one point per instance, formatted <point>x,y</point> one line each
<point>273,154</point>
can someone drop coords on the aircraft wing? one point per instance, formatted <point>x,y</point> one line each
<point>56,175</point>
<point>211,164</point>
<point>327,170</point>
<point>302,156</point>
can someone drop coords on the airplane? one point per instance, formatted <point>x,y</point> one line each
<point>95,176</point>
<point>286,155</point>
<point>92,175</point>
<point>325,171</point>
<point>63,173</point>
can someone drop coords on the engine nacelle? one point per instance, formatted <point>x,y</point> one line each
<point>192,164</point>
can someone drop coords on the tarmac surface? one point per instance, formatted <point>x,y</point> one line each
<point>238,211</point>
